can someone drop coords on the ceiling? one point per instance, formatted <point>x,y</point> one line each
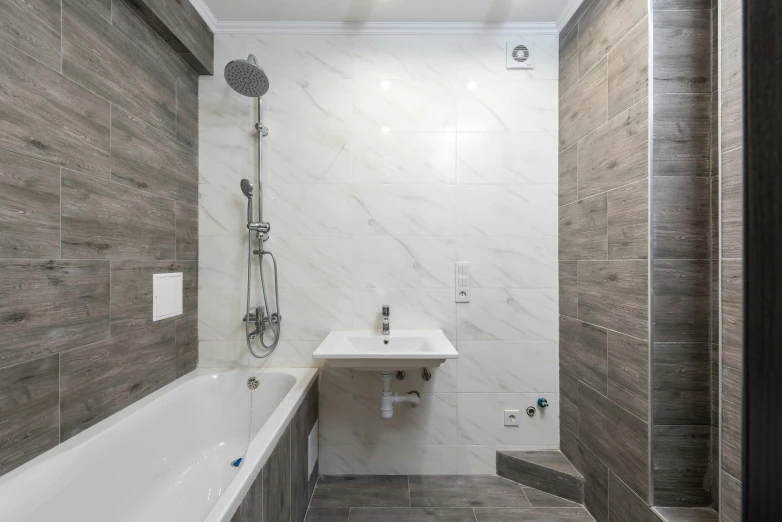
<point>402,11</point>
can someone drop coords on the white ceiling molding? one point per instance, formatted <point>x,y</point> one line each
<point>568,13</point>
<point>205,13</point>
<point>384,27</point>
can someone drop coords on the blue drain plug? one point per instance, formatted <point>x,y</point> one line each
<point>236,462</point>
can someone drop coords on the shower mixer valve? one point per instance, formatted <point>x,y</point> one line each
<point>260,319</point>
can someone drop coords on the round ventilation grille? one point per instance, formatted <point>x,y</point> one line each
<point>521,53</point>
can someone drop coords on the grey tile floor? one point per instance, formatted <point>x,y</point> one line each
<point>456,498</point>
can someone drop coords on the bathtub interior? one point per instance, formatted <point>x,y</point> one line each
<point>169,460</point>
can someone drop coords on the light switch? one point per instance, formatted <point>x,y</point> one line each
<point>166,295</point>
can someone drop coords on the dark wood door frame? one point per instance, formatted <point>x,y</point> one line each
<point>762,444</point>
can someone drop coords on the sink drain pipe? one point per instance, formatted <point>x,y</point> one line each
<point>388,399</point>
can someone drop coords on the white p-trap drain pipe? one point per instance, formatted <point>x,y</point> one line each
<point>388,399</point>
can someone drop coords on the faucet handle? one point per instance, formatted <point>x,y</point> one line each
<point>386,310</point>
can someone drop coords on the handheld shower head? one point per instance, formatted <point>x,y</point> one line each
<point>247,188</point>
<point>246,77</point>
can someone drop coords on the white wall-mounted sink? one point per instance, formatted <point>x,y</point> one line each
<point>372,351</point>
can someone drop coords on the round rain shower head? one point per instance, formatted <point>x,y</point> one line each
<point>247,188</point>
<point>246,77</point>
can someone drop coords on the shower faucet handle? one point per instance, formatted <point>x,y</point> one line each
<point>262,226</point>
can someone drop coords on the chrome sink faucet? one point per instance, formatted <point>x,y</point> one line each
<point>386,325</point>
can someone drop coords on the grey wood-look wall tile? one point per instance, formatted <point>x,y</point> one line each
<point>628,373</point>
<point>568,172</point>
<point>49,306</point>
<point>416,515</point>
<point>128,21</point>
<point>131,293</point>
<point>682,211</point>
<point>682,384</point>
<point>714,135</point>
<point>568,61</point>
<point>100,379</point>
<point>732,421</point>
<point>180,25</point>
<point>732,115</point>
<point>342,491</point>
<point>681,465</point>
<point>682,51</point>
<point>50,118</point>
<point>186,345</point>
<point>682,127</point>
<point>568,401</point>
<point>714,253</point>
<point>732,25</point>
<point>29,207</point>
<point>584,107</point>
<point>251,508</point>
<point>29,411</point>
<point>628,70</point>
<point>328,515</point>
<point>595,475</point>
<point>277,481</point>
<point>616,437</point>
<point>628,221</point>
<point>101,7</point>
<point>681,300</point>
<point>624,504</point>
<point>583,352</point>
<point>732,314</point>
<point>106,220</point>
<point>613,294</point>
<point>300,426</point>
<point>100,57</point>
<point>568,288</point>
<point>34,27</point>
<point>616,154</point>
<point>583,229</point>
<point>715,51</point>
<point>733,204</point>
<point>465,491</point>
<point>574,19</point>
<point>603,25</point>
<point>186,116</point>
<point>144,158</point>
<point>730,499</point>
<point>677,5</point>
<point>186,231</point>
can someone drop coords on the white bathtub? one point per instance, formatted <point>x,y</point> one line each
<point>165,458</point>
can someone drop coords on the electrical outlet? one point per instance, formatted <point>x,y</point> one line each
<point>511,417</point>
<point>462,282</point>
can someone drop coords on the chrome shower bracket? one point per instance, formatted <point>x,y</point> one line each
<point>263,129</point>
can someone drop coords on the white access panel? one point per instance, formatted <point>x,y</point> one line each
<point>166,295</point>
<point>312,449</point>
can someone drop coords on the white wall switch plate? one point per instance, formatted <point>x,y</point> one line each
<point>511,417</point>
<point>166,295</point>
<point>312,449</point>
<point>462,282</point>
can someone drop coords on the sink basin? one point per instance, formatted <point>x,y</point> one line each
<point>368,350</point>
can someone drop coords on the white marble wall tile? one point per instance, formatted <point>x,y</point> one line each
<point>402,57</point>
<point>404,157</point>
<point>483,57</point>
<point>432,423</point>
<point>304,57</point>
<point>509,314</point>
<point>222,261</point>
<point>510,262</point>
<point>309,104</point>
<point>335,460</point>
<point>411,309</point>
<point>288,354</point>
<point>403,262</point>
<point>518,157</point>
<point>507,105</point>
<point>220,313</point>
<point>309,315</point>
<point>481,420</point>
<point>309,156</point>
<point>404,105</point>
<point>404,460</point>
<point>404,210</point>
<point>443,381</point>
<point>228,157</point>
<point>311,261</point>
<point>222,354</point>
<point>507,210</point>
<point>336,414</point>
<point>336,380</point>
<point>504,367</point>
<point>308,210</point>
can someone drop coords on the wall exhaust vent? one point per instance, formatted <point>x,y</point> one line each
<point>519,54</point>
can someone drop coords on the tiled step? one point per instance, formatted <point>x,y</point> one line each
<point>679,514</point>
<point>547,471</point>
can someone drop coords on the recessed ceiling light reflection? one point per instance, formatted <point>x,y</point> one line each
<point>385,84</point>
<point>472,85</point>
<point>385,130</point>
